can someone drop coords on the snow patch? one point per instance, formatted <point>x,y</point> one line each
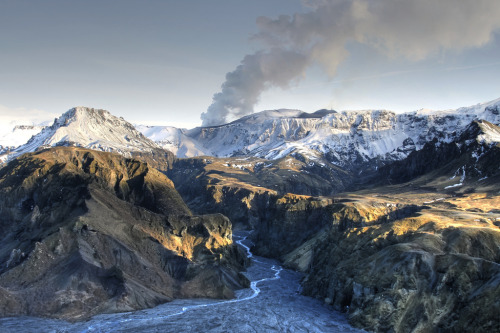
<point>452,186</point>
<point>436,200</point>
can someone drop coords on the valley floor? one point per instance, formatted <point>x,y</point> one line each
<point>273,305</point>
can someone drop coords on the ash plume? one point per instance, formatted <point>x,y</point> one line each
<point>414,30</point>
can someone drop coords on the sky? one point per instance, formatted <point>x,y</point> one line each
<point>171,62</point>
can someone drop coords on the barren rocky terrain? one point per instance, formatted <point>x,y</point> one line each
<point>85,232</point>
<point>272,304</point>
<point>408,245</point>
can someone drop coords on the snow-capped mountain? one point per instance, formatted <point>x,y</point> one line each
<point>90,128</point>
<point>472,157</point>
<point>347,138</point>
<point>342,137</point>
<point>173,139</point>
<point>18,135</point>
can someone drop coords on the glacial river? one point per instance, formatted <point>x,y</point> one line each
<point>272,304</point>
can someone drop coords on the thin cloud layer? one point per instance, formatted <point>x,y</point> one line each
<point>414,30</point>
<point>9,117</point>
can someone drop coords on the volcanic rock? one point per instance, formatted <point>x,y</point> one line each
<point>85,232</point>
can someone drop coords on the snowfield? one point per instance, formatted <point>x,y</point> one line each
<point>346,136</point>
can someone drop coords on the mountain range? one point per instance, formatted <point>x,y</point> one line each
<point>343,138</point>
<point>392,218</point>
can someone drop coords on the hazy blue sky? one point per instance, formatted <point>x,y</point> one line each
<point>162,61</point>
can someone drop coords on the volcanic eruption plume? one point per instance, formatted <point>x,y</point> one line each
<point>410,29</point>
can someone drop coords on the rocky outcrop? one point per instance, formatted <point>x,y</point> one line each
<point>416,274</point>
<point>392,258</point>
<point>85,232</point>
<point>476,153</point>
<point>414,257</point>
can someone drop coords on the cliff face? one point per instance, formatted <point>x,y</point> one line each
<point>281,220</point>
<point>413,257</point>
<point>433,269</point>
<point>476,153</point>
<point>85,232</point>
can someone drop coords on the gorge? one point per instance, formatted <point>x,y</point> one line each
<point>390,223</point>
<point>272,304</point>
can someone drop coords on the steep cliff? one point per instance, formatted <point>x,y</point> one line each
<point>437,268</point>
<point>419,255</point>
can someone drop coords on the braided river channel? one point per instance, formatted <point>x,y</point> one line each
<point>273,303</point>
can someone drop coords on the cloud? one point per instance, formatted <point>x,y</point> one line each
<point>459,68</point>
<point>9,117</point>
<point>414,30</point>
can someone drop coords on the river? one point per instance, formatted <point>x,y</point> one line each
<point>273,303</point>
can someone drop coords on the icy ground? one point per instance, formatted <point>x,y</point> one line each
<point>272,304</point>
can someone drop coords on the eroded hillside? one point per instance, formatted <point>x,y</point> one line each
<point>85,232</point>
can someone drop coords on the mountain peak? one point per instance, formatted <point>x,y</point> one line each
<point>482,131</point>
<point>90,128</point>
<point>84,111</point>
<point>84,114</point>
<point>87,110</point>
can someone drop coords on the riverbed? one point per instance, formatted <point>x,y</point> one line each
<point>272,304</point>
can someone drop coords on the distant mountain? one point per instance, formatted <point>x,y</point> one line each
<point>89,128</point>
<point>18,135</point>
<point>173,139</point>
<point>346,139</point>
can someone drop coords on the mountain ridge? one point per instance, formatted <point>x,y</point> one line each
<point>345,197</point>
<point>89,128</point>
<point>344,137</point>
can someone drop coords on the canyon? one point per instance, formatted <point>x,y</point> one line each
<point>390,219</point>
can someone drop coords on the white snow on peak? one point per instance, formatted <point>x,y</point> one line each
<point>18,135</point>
<point>491,134</point>
<point>172,139</point>
<point>346,136</point>
<point>90,128</point>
